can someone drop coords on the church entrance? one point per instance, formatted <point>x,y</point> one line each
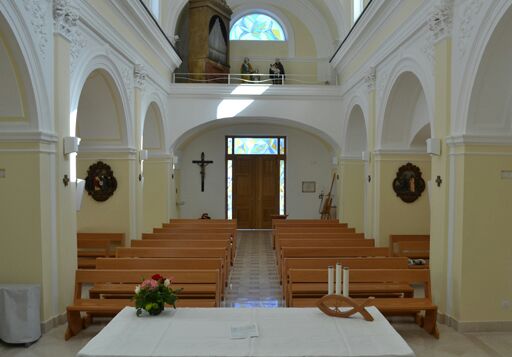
<point>255,180</point>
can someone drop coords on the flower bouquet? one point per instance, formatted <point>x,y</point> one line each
<point>153,294</point>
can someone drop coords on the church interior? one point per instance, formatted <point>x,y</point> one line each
<point>375,134</point>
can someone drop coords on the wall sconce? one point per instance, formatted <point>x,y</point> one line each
<point>143,155</point>
<point>71,144</point>
<point>434,146</point>
<point>365,156</point>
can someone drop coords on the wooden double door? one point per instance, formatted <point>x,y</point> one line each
<point>255,190</point>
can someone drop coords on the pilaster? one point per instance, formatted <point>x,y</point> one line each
<point>370,206</point>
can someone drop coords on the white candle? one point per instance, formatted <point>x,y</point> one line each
<point>345,281</point>
<point>338,278</point>
<point>330,278</point>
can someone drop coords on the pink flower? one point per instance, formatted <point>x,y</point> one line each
<point>149,284</point>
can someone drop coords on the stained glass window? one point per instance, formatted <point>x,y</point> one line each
<point>255,146</point>
<point>281,187</point>
<point>257,27</point>
<point>230,189</point>
<point>230,146</point>
<point>282,146</point>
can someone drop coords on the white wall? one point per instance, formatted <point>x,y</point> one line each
<point>309,159</point>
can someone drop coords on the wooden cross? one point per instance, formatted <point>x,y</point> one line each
<point>202,164</point>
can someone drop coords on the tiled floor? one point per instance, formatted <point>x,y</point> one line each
<point>254,282</point>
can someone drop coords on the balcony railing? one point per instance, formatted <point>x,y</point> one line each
<point>245,78</point>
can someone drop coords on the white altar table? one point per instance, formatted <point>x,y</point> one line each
<point>294,332</point>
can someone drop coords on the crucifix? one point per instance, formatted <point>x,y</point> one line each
<point>202,164</point>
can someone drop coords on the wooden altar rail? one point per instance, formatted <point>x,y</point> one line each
<point>377,281</point>
<point>112,306</point>
<point>330,252</point>
<point>193,236</point>
<point>313,230</point>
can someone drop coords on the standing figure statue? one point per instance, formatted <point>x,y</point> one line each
<point>274,74</point>
<point>246,68</point>
<point>280,67</point>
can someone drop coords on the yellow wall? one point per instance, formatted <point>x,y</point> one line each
<point>121,25</point>
<point>112,215</point>
<point>396,216</point>
<point>404,11</point>
<point>482,261</point>
<point>25,210</point>
<point>352,182</point>
<point>156,193</point>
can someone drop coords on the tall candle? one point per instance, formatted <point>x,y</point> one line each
<point>330,278</point>
<point>345,281</point>
<point>338,278</point>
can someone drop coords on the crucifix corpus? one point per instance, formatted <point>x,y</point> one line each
<point>202,164</point>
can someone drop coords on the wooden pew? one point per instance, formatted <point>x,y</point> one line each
<point>395,239</point>
<point>133,277</point>
<point>319,243</point>
<point>112,237</point>
<point>193,236</point>
<point>330,252</point>
<point>306,222</point>
<point>185,243</point>
<point>415,247</point>
<point>312,230</point>
<point>377,278</point>
<point>90,249</point>
<point>352,263</point>
<point>199,229</point>
<point>176,253</point>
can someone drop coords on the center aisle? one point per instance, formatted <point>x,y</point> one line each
<point>254,281</point>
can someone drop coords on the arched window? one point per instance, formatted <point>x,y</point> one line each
<point>257,27</point>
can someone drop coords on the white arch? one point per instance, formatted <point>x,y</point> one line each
<point>356,102</point>
<point>251,120</point>
<point>155,98</point>
<point>100,60</point>
<point>37,91</point>
<point>406,64</point>
<point>175,9</point>
<point>476,53</point>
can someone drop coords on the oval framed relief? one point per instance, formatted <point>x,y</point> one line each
<point>408,184</point>
<point>100,183</point>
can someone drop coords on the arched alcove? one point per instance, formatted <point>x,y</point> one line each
<point>406,126</point>
<point>156,171</point>
<point>406,114</point>
<point>355,139</point>
<point>490,108</point>
<point>101,124</point>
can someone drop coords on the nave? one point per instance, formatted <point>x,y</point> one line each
<point>254,282</point>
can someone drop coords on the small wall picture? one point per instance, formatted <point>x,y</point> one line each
<point>308,186</point>
<point>100,182</point>
<point>408,184</point>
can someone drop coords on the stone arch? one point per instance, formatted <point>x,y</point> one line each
<point>101,63</point>
<point>407,107</point>
<point>489,111</point>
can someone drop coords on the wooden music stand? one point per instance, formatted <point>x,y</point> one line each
<point>326,209</point>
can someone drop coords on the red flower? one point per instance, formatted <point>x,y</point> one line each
<point>157,277</point>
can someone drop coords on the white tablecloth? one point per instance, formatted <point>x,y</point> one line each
<point>20,320</point>
<point>282,332</point>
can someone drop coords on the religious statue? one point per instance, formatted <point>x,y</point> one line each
<point>246,68</point>
<point>280,78</point>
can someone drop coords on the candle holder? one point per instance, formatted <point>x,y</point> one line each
<point>331,304</point>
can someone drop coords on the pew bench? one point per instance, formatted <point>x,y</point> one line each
<point>90,249</point>
<point>76,322</point>
<point>388,306</point>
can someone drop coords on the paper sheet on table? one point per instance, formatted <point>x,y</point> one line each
<point>244,331</point>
